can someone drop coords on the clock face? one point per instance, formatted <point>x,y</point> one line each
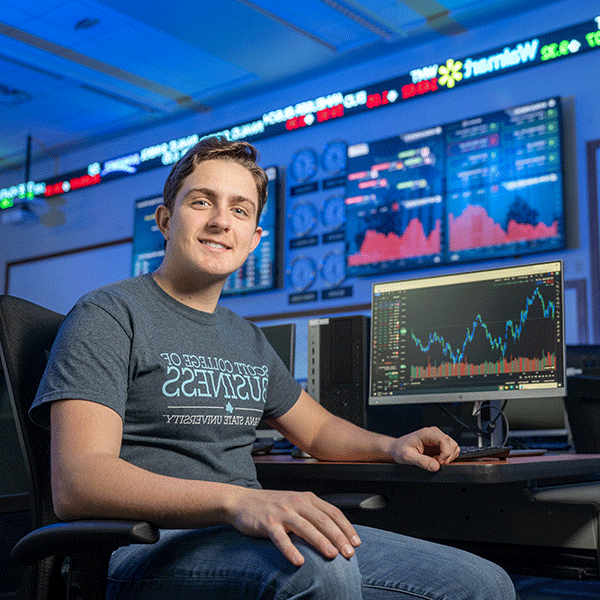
<point>303,272</point>
<point>333,268</point>
<point>305,164</point>
<point>303,218</point>
<point>334,212</point>
<point>335,156</point>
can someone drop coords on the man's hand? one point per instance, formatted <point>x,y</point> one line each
<point>427,448</point>
<point>276,514</point>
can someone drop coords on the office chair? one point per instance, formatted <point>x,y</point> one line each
<point>26,335</point>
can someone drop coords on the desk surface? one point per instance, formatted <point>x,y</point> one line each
<point>547,467</point>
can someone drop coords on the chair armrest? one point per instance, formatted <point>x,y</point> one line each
<point>575,493</point>
<point>82,537</point>
<point>356,501</point>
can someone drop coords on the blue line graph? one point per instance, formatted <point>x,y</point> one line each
<point>511,331</point>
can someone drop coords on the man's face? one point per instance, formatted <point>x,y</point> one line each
<point>212,227</point>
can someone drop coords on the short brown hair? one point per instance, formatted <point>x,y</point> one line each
<point>216,148</point>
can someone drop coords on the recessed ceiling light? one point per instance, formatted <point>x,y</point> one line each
<point>86,23</point>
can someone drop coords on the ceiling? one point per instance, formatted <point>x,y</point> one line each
<point>75,72</point>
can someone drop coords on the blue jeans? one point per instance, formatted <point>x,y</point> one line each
<point>220,563</point>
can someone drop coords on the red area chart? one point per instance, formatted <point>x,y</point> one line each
<point>381,247</point>
<point>474,228</point>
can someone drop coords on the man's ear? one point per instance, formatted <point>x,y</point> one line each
<point>163,220</point>
<point>256,239</point>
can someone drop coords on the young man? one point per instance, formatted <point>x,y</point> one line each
<point>152,393</point>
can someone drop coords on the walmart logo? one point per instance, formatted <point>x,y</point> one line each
<point>455,70</point>
<point>450,73</point>
<point>509,57</point>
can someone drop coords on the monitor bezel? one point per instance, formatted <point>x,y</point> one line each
<point>477,394</point>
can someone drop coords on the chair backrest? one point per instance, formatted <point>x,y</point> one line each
<point>27,332</point>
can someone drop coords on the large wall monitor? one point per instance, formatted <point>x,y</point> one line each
<point>394,203</point>
<point>493,334</point>
<point>258,273</point>
<point>485,187</point>
<point>148,242</point>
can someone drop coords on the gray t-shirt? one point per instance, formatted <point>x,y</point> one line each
<point>190,386</point>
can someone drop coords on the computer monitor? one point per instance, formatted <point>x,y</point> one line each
<point>493,334</point>
<point>283,339</point>
<point>582,404</point>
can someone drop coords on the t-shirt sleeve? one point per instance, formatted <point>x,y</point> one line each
<point>89,360</point>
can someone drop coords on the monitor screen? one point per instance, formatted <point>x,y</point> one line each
<point>148,247</point>
<point>492,334</point>
<point>283,339</point>
<point>259,272</point>
<point>480,188</point>
<point>583,359</point>
<point>504,181</point>
<point>394,209</point>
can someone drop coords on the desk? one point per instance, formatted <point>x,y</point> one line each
<point>489,507</point>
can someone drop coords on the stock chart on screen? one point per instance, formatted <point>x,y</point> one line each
<point>505,183</point>
<point>469,336</point>
<point>394,203</point>
<point>486,187</point>
<point>259,272</point>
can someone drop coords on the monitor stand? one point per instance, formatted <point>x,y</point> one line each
<point>497,434</point>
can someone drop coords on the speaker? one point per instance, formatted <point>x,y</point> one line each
<point>338,365</point>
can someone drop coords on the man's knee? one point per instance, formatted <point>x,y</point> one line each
<point>320,578</point>
<point>500,584</point>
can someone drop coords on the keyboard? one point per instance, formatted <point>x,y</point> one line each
<point>471,452</point>
<point>270,446</point>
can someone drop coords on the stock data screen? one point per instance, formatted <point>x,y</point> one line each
<point>394,208</point>
<point>258,273</point>
<point>148,241</point>
<point>505,183</point>
<point>460,336</point>
<point>481,188</point>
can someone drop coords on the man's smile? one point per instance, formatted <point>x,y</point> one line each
<point>215,245</point>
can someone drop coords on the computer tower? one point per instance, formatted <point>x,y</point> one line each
<point>338,365</point>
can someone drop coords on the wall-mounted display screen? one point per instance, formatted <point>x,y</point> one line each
<point>259,272</point>
<point>148,241</point>
<point>505,183</point>
<point>394,210</point>
<point>481,188</point>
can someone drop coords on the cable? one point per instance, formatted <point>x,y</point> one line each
<point>485,433</point>
<point>492,423</point>
<point>467,426</point>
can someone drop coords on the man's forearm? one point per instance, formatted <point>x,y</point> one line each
<point>343,441</point>
<point>108,487</point>
<point>121,490</point>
